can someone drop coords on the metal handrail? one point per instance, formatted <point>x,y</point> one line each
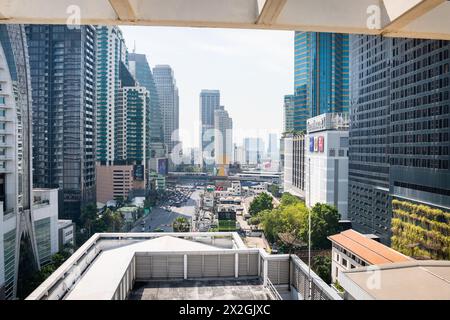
<point>272,290</point>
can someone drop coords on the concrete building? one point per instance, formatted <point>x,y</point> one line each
<point>288,113</point>
<point>294,165</point>
<point>412,280</point>
<point>45,223</point>
<point>239,154</point>
<point>182,266</point>
<point>236,188</point>
<point>132,124</point>
<point>140,69</point>
<point>111,52</point>
<point>223,141</point>
<point>254,151</point>
<point>66,233</point>
<point>351,249</point>
<point>209,103</point>
<point>63,83</point>
<point>273,151</point>
<point>326,161</point>
<point>16,198</point>
<point>157,181</point>
<point>114,182</point>
<point>167,90</point>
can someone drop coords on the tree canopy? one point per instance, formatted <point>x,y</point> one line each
<point>289,223</point>
<point>261,202</point>
<point>181,224</point>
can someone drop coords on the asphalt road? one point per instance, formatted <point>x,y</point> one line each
<point>162,219</point>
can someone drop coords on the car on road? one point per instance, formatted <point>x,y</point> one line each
<point>158,230</point>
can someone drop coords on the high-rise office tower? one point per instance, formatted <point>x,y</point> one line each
<point>63,81</point>
<point>288,113</point>
<point>321,85</point>
<point>131,120</point>
<point>111,50</point>
<point>169,103</point>
<point>139,67</point>
<point>28,219</point>
<point>223,140</point>
<point>273,150</point>
<point>254,150</point>
<point>209,102</point>
<point>369,198</point>
<point>321,80</point>
<point>399,139</point>
<point>15,156</point>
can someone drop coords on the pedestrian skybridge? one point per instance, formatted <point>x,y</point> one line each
<point>118,266</point>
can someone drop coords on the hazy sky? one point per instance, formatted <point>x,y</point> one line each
<point>253,69</point>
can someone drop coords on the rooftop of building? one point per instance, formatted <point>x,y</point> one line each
<point>412,280</point>
<point>190,265</point>
<point>249,289</point>
<point>106,278</point>
<point>367,249</point>
<point>64,223</point>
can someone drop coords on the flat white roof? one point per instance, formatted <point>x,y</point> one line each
<point>413,280</point>
<point>101,279</point>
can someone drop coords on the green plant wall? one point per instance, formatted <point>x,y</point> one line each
<point>420,231</point>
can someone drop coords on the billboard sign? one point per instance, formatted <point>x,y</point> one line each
<point>163,166</point>
<point>311,144</point>
<point>139,172</point>
<point>321,143</point>
<point>316,144</point>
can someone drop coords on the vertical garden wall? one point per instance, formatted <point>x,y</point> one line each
<point>420,231</point>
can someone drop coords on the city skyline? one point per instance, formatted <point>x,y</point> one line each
<point>213,53</point>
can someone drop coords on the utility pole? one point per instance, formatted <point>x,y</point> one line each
<point>309,229</point>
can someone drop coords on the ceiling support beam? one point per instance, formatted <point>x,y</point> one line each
<point>410,15</point>
<point>270,12</point>
<point>124,10</point>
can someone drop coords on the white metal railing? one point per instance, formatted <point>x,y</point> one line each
<point>65,278</point>
<point>275,295</point>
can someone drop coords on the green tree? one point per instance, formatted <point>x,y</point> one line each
<point>321,265</point>
<point>181,224</point>
<point>274,189</point>
<point>324,222</point>
<point>286,220</point>
<point>288,199</point>
<point>261,202</point>
<point>88,217</point>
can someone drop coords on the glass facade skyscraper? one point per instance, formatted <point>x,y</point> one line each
<point>139,67</point>
<point>321,78</point>
<point>169,104</point>
<point>16,225</point>
<point>209,102</point>
<point>399,129</point>
<point>63,81</point>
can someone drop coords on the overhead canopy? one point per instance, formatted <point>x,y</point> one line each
<point>392,18</point>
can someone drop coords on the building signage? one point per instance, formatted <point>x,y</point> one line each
<point>317,144</point>
<point>163,166</point>
<point>138,172</point>
<point>321,143</point>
